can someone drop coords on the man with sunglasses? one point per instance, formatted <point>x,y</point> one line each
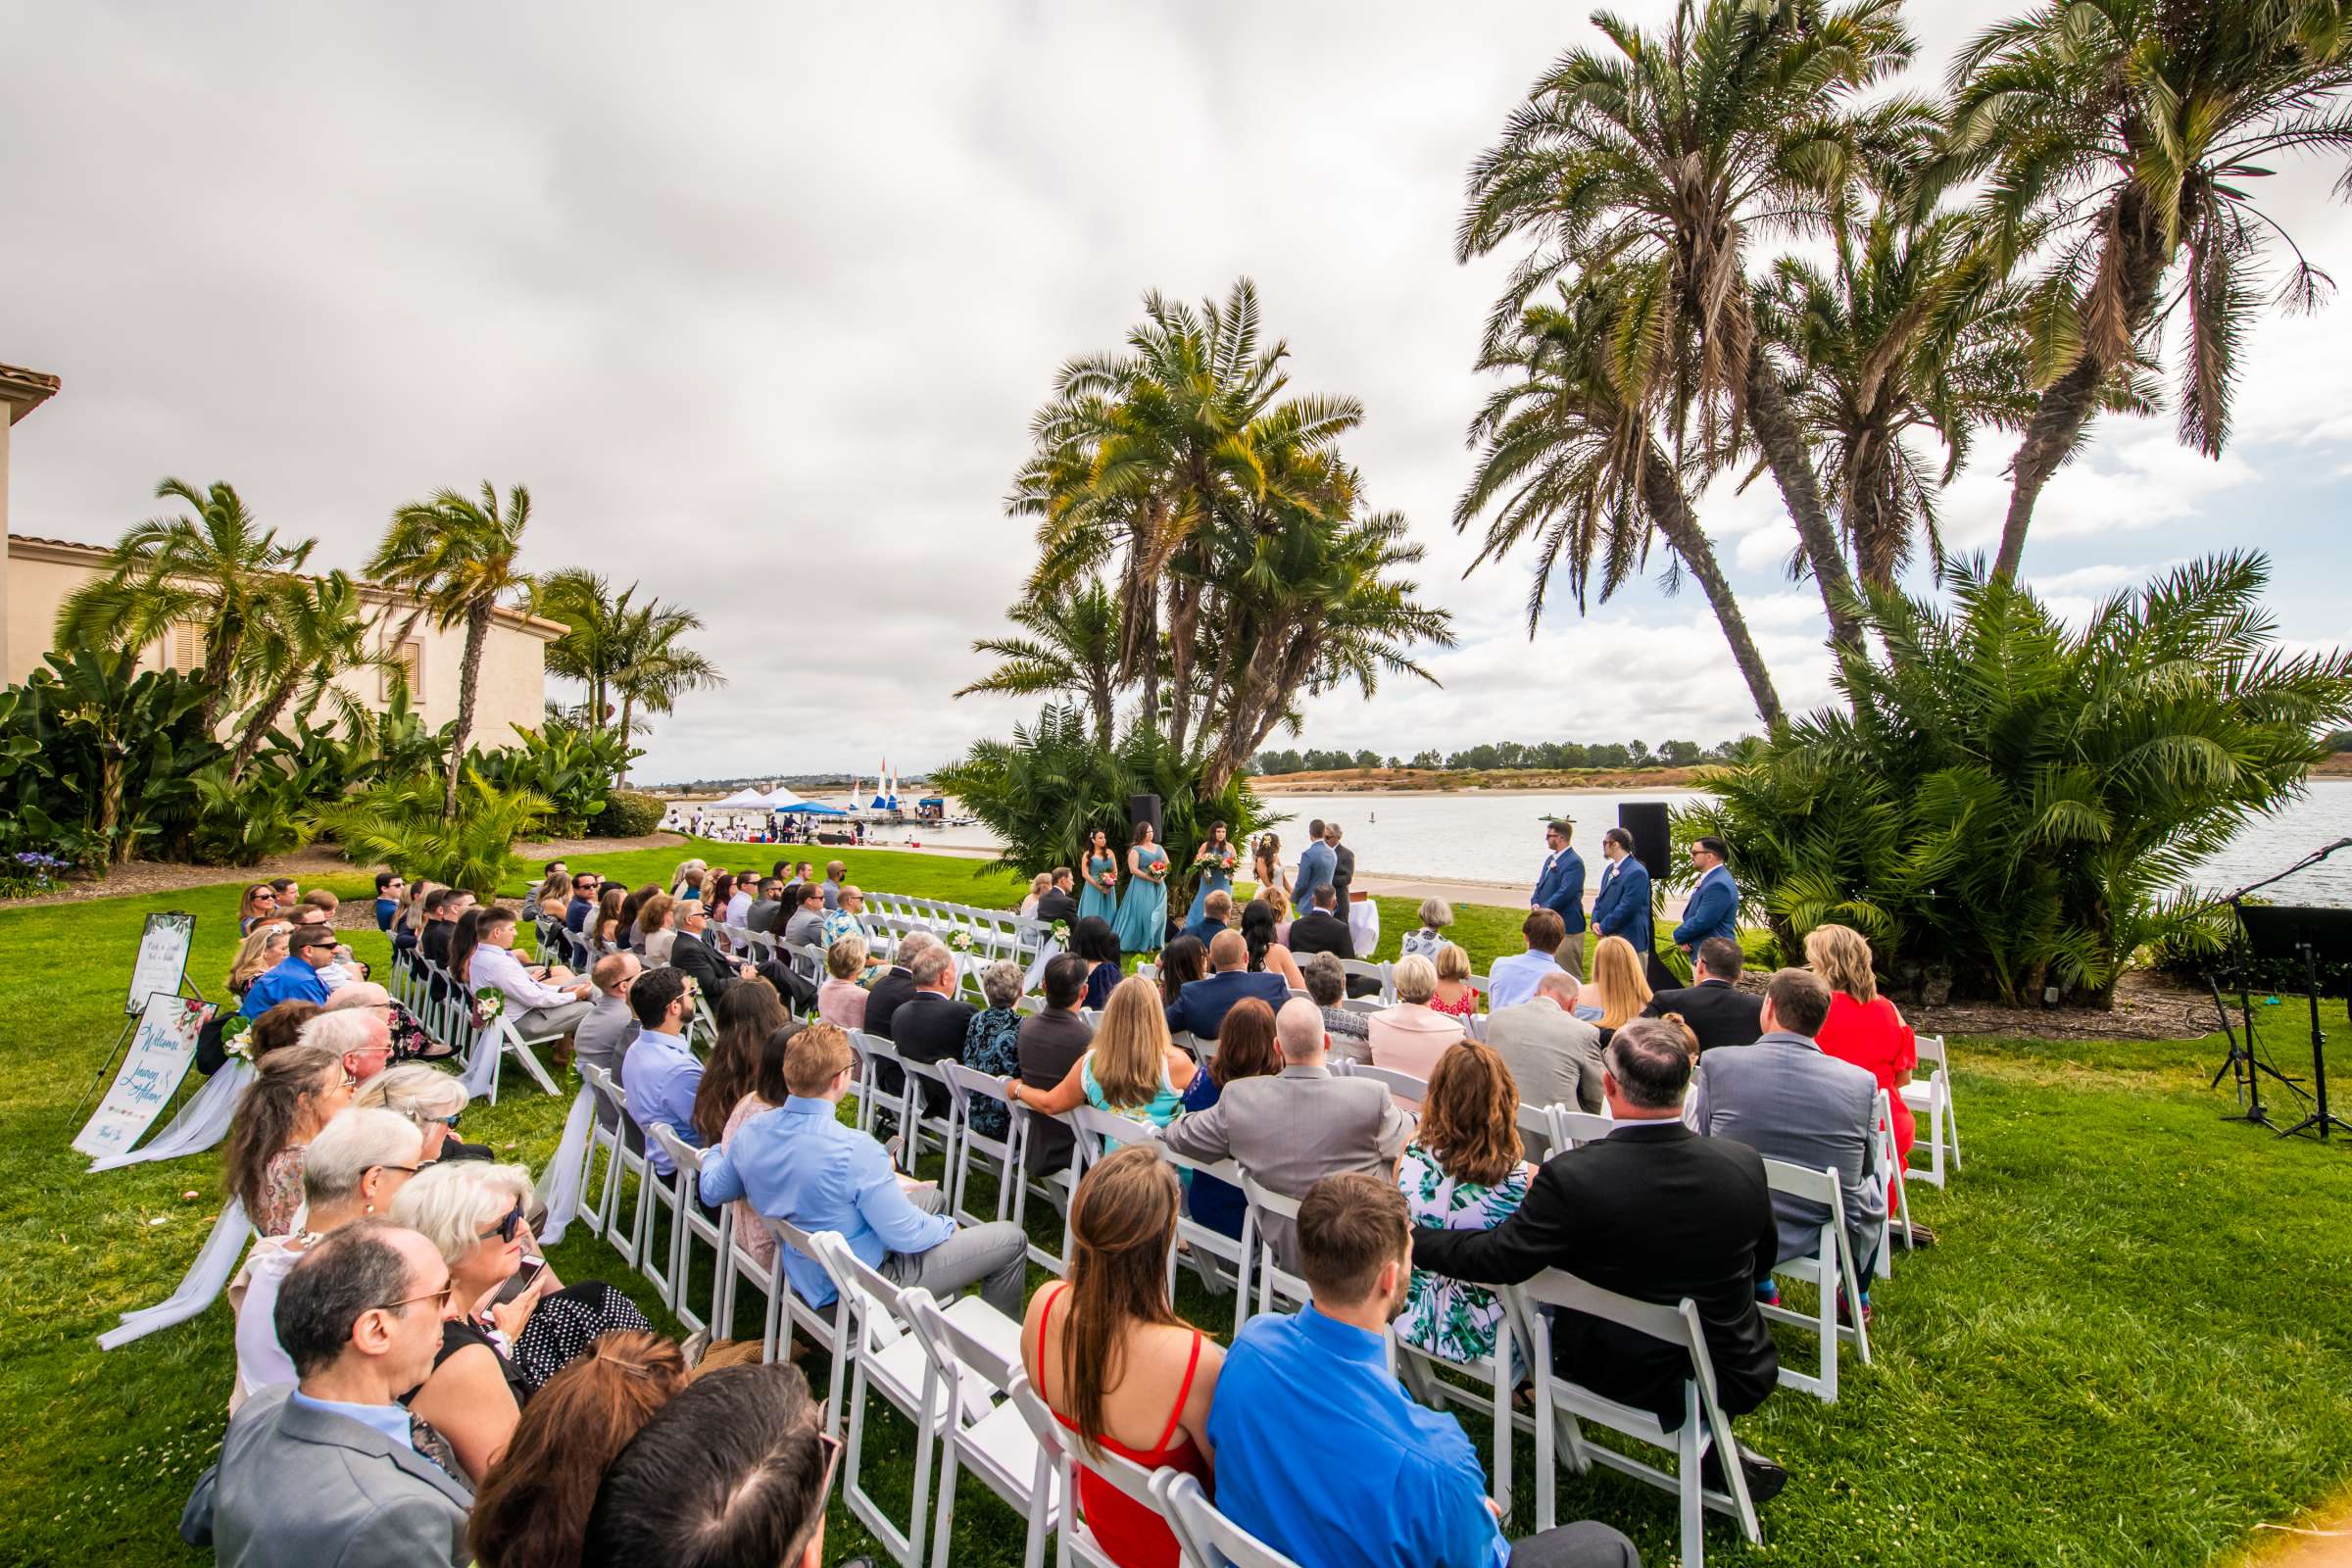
<point>602,1038</point>
<point>586,888</point>
<point>333,1470</point>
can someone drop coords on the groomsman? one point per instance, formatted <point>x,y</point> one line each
<point>1561,889</point>
<point>1622,906</point>
<point>1714,906</point>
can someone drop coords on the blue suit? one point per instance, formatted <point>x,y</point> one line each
<point>1318,864</point>
<point>1621,908</point>
<point>1713,911</point>
<point>292,980</point>
<point>1201,1006</point>
<point>1561,888</point>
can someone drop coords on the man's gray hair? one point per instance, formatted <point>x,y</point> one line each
<point>913,943</point>
<point>1326,981</point>
<point>360,1139</point>
<point>1299,1030</point>
<point>345,1031</point>
<point>931,966</point>
<point>1002,983</point>
<point>688,908</point>
<point>355,1269</point>
<point>1561,981</point>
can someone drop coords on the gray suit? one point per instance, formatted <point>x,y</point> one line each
<point>1291,1131</point>
<point>1787,1100</point>
<point>1554,1057</point>
<point>299,1488</point>
<point>602,1040</point>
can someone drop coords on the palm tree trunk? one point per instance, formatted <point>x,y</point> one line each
<point>1670,509</point>
<point>469,677</point>
<point>264,721</point>
<point>1792,461</point>
<point>2131,271</point>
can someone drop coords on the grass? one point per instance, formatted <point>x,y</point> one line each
<point>2130,1349</point>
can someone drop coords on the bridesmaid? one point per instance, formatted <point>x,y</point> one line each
<point>1101,894</point>
<point>1142,922</point>
<point>1214,861</point>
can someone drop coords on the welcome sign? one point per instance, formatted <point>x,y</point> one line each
<point>159,1056</point>
<point>163,960</point>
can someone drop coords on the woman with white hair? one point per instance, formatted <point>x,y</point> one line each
<point>991,1041</point>
<point>430,1102</point>
<point>1412,1034</point>
<point>1436,915</point>
<point>410,1042</point>
<point>494,1352</point>
<point>352,1169</point>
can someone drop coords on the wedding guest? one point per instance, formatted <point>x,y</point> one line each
<point>1247,1048</point>
<point>1268,953</point>
<point>746,1015</point>
<point>656,928</point>
<point>1092,939</point>
<point>1618,988</point>
<point>390,885</point>
<point>1052,1042</point>
<point>841,999</point>
<point>282,1027</point>
<point>1866,1029</point>
<point>766,1092</point>
<point>1038,886</point>
<point>1132,1069</point>
<point>295,1092</point>
<point>262,950</point>
<point>1326,985</point>
<point>991,1041</point>
<point>1463,1171</point>
<point>428,1100</point>
<point>1716,1010</point>
<point>1181,963</point>
<point>1410,1036</point>
<point>1512,980</point>
<point>259,903</point>
<point>296,976</point>
<point>1455,997</point>
<point>1436,915</point>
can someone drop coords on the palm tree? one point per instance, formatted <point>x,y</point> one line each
<point>308,631</point>
<point>456,555</point>
<point>589,652</point>
<point>211,570</point>
<point>1656,164</point>
<point>1570,454</point>
<point>654,670</point>
<point>1074,649</point>
<point>2130,130</point>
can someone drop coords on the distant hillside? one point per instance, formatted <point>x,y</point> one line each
<point>1367,780</point>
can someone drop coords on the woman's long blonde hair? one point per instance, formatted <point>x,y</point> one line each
<point>1131,1047</point>
<point>1624,990</point>
<point>253,954</point>
<point>1840,955</point>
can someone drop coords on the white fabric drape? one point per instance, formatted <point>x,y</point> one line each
<point>201,1123</point>
<point>559,1183</point>
<point>206,1278</point>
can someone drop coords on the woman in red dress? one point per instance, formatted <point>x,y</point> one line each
<point>1110,1358</point>
<point>1865,1028</point>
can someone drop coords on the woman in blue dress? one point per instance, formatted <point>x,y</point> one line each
<point>1142,922</point>
<point>1214,861</point>
<point>1102,877</point>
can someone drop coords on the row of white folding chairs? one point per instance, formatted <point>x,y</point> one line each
<point>445,1010</point>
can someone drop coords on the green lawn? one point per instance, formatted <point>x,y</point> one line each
<point>2130,1349</point>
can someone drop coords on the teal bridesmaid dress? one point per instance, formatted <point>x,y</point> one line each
<point>1143,923</point>
<point>1093,899</point>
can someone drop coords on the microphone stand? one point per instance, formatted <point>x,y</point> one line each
<point>2241,1064</point>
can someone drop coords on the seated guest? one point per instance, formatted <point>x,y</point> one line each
<point>295,977</point>
<point>892,989</point>
<point>602,1038</point>
<point>1292,1130</point>
<point>738,1466</point>
<point>1216,917</point>
<point>585,888</point>
<point>532,1509</point>
<point>428,1100</point>
<point>1267,954</point>
<point>549,897</point>
<point>1132,1069</point>
<point>1867,1030</point>
<point>1436,915</point>
<point>1411,1036</point>
<point>1181,963</point>
<point>837,876</point>
<point>656,928</point>
<point>409,926</point>
<point>539,1009</point>
<point>1060,903</point>
<point>410,1042</point>
<point>261,950</point>
<point>1052,1042</point>
<point>1327,983</point>
<point>1278,904</point>
<point>766,1092</point>
<point>1652,1211</point>
<point>317,908</point>
<point>1092,939</point>
<point>1412,1489</point>
<point>608,926</point>
<point>930,1027</point>
<point>1455,997</point>
<point>1320,929</point>
<point>1618,990</point>
<point>799,1163</point>
<point>1463,1171</point>
<point>806,927</point>
<point>294,1093</point>
<point>389,887</point>
<point>687,880</point>
<point>661,1073</point>
<point>1552,1053</point>
<point>1513,979</point>
<point>746,1015</point>
<point>1247,1048</point>
<point>494,1352</point>
<point>694,955</point>
<point>331,1469</point>
<point>282,1027</point>
<point>441,923</point>
<point>991,1041</point>
<point>1715,1008</point>
<point>1038,886</point>
<point>361,1036</point>
<point>1201,1006</point>
<point>350,1171</point>
<point>844,915</point>
<point>841,999</point>
<point>258,906</point>
<point>1111,1358</point>
<point>737,900</point>
<point>1788,1098</point>
<point>766,909</point>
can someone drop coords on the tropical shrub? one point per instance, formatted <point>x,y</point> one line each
<point>1052,784</point>
<point>29,871</point>
<point>572,767</point>
<point>400,823</point>
<point>2022,803</point>
<point>98,758</point>
<point>628,814</point>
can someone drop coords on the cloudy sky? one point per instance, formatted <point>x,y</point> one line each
<point>758,301</point>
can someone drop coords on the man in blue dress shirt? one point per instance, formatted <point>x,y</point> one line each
<point>309,949</point>
<point>1621,907</point>
<point>1318,867</point>
<point>1315,1383</point>
<point>1714,906</point>
<point>659,1076</point>
<point>1561,890</point>
<point>799,1163</point>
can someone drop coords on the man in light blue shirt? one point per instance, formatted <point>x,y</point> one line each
<point>1516,977</point>
<point>1318,867</point>
<point>800,1164</point>
<point>1411,1490</point>
<point>659,1074</point>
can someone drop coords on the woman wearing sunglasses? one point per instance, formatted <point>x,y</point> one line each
<point>495,1352</point>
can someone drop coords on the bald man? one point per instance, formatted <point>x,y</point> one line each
<point>1202,1005</point>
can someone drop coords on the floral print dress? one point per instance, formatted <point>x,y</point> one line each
<point>992,1045</point>
<point>1447,1316</point>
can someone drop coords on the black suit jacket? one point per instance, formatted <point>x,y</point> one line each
<point>695,957</point>
<point>1719,1012</point>
<point>1319,931</point>
<point>884,998</point>
<point>434,943</point>
<point>1056,905</point>
<point>1342,876</point>
<point>1652,1211</point>
<point>930,1027</point>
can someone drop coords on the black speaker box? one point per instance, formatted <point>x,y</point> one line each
<point>1645,820</point>
<point>1142,809</point>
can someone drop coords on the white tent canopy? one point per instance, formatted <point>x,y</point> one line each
<point>777,799</point>
<point>742,800</point>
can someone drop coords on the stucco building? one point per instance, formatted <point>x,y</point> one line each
<point>36,574</point>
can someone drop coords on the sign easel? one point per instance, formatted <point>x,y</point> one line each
<point>161,965</point>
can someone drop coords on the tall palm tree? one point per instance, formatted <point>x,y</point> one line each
<point>457,556</point>
<point>590,651</point>
<point>308,631</point>
<point>210,569</point>
<point>1659,161</point>
<point>1074,649</point>
<point>2130,131</point>
<point>654,670</point>
<point>1570,454</point>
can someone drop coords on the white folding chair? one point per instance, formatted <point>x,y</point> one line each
<point>1365,969</point>
<point>688,1222</point>
<point>1274,1282</point>
<point>873,1051</point>
<point>1210,1539</point>
<point>1571,1127</point>
<point>1075,1542</point>
<point>889,1359</point>
<point>1828,1267</point>
<point>739,1265</point>
<point>1898,1212</point>
<point>1417,1368</point>
<point>1402,1085</point>
<point>826,1326</point>
<point>981,1433</point>
<point>623,1162</point>
<point>500,1036</point>
<point>1930,1098</point>
<point>1561,1403</point>
<point>915,1120</point>
<point>965,1085</point>
<point>1101,1132</point>
<point>1537,1133</point>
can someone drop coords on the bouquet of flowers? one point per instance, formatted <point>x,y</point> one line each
<point>236,1036</point>
<point>488,1004</point>
<point>1060,934</point>
<point>960,941</point>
